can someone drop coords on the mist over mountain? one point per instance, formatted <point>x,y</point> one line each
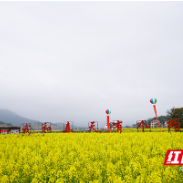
<point>8,116</point>
<point>11,118</point>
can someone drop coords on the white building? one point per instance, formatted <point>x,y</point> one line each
<point>14,131</point>
<point>165,124</point>
<point>154,124</point>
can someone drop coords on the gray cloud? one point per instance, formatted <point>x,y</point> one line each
<point>64,61</point>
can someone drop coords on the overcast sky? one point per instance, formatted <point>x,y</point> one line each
<point>64,61</point>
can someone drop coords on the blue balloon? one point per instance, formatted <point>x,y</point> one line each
<point>153,100</point>
<point>107,111</point>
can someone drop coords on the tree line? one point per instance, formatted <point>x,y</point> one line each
<point>171,114</point>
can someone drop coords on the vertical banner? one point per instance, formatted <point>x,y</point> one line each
<point>108,126</point>
<point>156,116</point>
<point>154,101</point>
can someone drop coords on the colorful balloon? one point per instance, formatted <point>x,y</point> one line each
<point>107,111</point>
<point>153,100</point>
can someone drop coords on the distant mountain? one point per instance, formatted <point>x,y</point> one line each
<point>5,124</point>
<point>10,117</point>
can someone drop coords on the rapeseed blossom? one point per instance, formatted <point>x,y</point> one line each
<point>89,157</point>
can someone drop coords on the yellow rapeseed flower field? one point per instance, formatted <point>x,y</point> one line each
<point>89,157</point>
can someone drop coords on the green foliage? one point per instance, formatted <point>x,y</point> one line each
<point>161,118</point>
<point>178,113</point>
<point>6,124</point>
<point>170,112</point>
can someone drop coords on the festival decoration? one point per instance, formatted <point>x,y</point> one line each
<point>108,112</point>
<point>170,124</point>
<point>92,126</point>
<point>141,124</point>
<point>3,132</point>
<point>67,128</point>
<point>26,128</point>
<point>118,126</point>
<point>44,127</point>
<point>154,101</point>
